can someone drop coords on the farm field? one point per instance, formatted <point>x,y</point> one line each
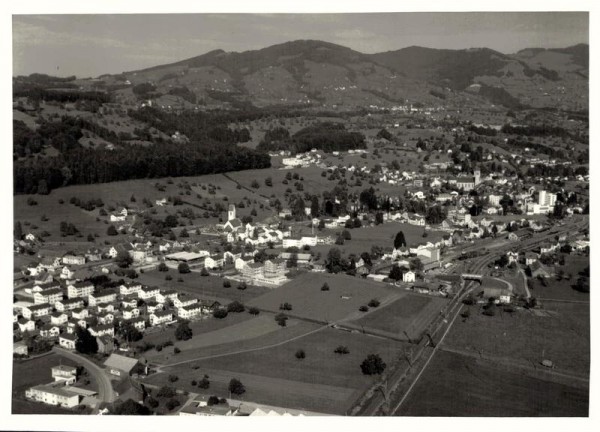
<point>321,381</point>
<point>345,296</point>
<point>206,287</point>
<point>410,314</point>
<point>236,332</point>
<point>457,385</point>
<point>559,332</point>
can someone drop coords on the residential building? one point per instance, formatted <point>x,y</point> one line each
<point>67,340</point>
<point>80,289</point>
<point>160,317</point>
<point>52,395</point>
<point>105,296</point>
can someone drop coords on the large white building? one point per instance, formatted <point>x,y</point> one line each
<point>546,198</point>
<point>53,396</point>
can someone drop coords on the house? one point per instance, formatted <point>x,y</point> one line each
<point>36,311</point>
<point>548,248</point>
<point>106,318</point>
<point>519,235</point>
<point>124,247</point>
<point>129,301</point>
<point>130,288</point>
<point>26,325</point>
<point>93,255</point>
<point>213,262</point>
<point>49,331</point>
<point>165,295</point>
<point>148,292</point>
<point>52,395</point>
<point>67,340</point>
<point>80,289</point>
<point>152,306</point>
<point>106,296</point>
<point>408,277</point>
<point>51,296</point>
<point>183,300</point>
<point>106,344</point>
<point>300,241</point>
<point>119,365</point>
<point>191,311</point>
<point>58,318</point>
<point>252,270</point>
<point>530,258</point>
<point>102,329</point>
<point>130,312</point>
<point>103,308</point>
<point>73,259</point>
<point>64,374</point>
<point>68,304</point>
<point>160,317</point>
<point>512,256</point>
<point>139,323</point>
<point>80,313</point>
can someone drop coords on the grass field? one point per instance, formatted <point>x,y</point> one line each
<point>323,381</point>
<point>560,332</point>
<point>563,289</point>
<point>456,385</point>
<point>209,287</point>
<point>345,296</point>
<point>410,314</point>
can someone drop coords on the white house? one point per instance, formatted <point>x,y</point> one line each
<point>408,276</point>
<point>51,395</point>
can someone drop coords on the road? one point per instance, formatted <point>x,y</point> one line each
<point>105,390</point>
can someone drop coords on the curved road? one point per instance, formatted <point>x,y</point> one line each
<point>105,390</point>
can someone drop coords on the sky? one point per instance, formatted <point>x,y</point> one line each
<point>91,45</point>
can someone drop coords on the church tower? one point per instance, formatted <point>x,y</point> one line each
<point>231,212</point>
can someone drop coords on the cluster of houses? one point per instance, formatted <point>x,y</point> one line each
<point>59,309</point>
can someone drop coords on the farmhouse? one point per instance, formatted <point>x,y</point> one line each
<point>119,365</point>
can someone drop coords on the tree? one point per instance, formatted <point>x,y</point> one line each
<point>184,233</point>
<point>129,332</point>
<point>204,272</point>
<point>220,313</point>
<point>204,383</point>
<point>325,287</point>
<point>253,310</point>
<point>269,181</point>
<point>236,387</point>
<point>368,198</point>
<point>395,273</point>
<point>285,306</point>
<point>281,319</point>
<point>435,215</point>
<point>300,354</point>
<point>123,259</point>
<point>131,407</point>
<point>183,268</point>
<point>416,264</point>
<point>314,206</point>
<point>172,403</point>
<point>399,241</point>
<point>162,267</point>
<point>111,231</point>
<point>378,218</point>
<point>183,331</point>
<point>255,184</point>
<point>86,343</point>
<point>374,303</point>
<point>373,365</point>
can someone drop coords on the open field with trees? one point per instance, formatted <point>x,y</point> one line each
<point>345,295</point>
<point>321,380</point>
<point>457,385</point>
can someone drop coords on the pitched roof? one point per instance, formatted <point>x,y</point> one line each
<point>120,362</point>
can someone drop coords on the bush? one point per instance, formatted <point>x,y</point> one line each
<point>300,354</point>
<point>281,319</point>
<point>325,287</point>
<point>173,378</point>
<point>152,402</point>
<point>342,349</point>
<point>204,272</point>
<point>242,286</point>
<point>285,306</point>
<point>220,313</point>
<point>183,268</point>
<point>235,306</point>
<point>253,310</point>
<point>226,284</point>
<point>363,308</point>
<point>176,350</point>
<point>374,303</point>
